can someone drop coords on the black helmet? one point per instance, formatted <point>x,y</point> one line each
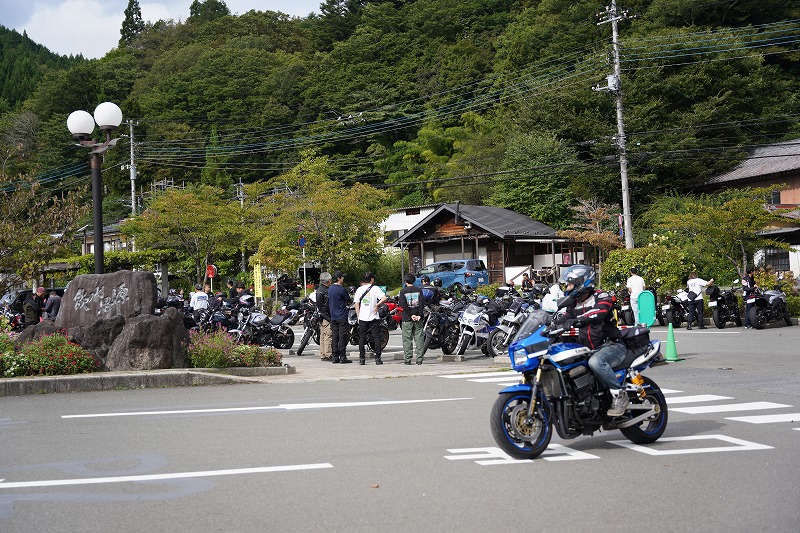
<point>580,276</point>
<point>437,282</point>
<point>198,287</point>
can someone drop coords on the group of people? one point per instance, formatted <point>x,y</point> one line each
<point>40,304</point>
<point>333,302</point>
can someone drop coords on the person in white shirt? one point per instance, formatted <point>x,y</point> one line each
<point>198,300</point>
<point>635,286</point>
<point>695,292</point>
<point>367,299</point>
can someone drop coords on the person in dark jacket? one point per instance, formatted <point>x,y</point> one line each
<point>413,304</point>
<point>52,305</point>
<point>339,301</point>
<point>592,313</point>
<point>748,288</point>
<point>33,306</point>
<point>325,333</point>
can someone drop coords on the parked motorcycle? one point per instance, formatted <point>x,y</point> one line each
<point>768,306</point>
<point>258,328</point>
<point>395,315</point>
<point>441,327</point>
<point>16,321</point>
<point>352,319</point>
<point>311,323</point>
<point>675,307</point>
<point>501,336</point>
<point>476,322</point>
<point>724,306</point>
<point>559,390</point>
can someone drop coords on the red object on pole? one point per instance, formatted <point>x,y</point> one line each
<point>211,271</point>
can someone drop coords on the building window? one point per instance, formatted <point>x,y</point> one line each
<point>777,259</point>
<point>412,211</point>
<point>775,198</point>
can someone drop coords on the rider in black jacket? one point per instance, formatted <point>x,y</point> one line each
<point>591,312</point>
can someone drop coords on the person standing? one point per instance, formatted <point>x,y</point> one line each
<point>338,305</point>
<point>325,335</point>
<point>368,297</point>
<point>748,288</point>
<point>52,305</point>
<point>635,285</point>
<point>695,293</point>
<point>231,289</point>
<point>410,299</point>
<point>527,284</point>
<point>32,307</point>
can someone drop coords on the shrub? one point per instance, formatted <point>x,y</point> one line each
<point>793,304</point>
<point>219,350</point>
<point>51,355</point>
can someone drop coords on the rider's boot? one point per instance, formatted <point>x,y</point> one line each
<point>619,402</point>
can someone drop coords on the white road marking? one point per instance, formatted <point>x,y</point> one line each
<point>752,406</point>
<point>159,477</point>
<point>287,406</point>
<point>671,391</point>
<point>492,456</point>
<point>767,419</point>
<point>481,375</point>
<point>698,398</point>
<point>491,380</point>
<point>739,445</point>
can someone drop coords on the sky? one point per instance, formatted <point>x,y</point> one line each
<point>91,27</point>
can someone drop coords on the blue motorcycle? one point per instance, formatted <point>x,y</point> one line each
<point>559,390</point>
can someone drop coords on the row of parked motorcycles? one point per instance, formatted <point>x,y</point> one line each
<point>765,307</point>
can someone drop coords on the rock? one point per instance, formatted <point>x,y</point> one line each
<point>149,342</point>
<point>35,332</point>
<point>91,297</point>
<point>98,336</point>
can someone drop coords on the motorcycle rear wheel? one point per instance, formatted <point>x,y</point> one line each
<point>627,317</point>
<point>512,434</point>
<point>720,318</point>
<point>674,318</point>
<point>496,342</point>
<point>758,317</point>
<point>283,340</point>
<point>651,429</point>
<point>450,344</point>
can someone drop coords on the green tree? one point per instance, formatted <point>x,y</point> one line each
<point>207,10</point>
<point>133,24</point>
<point>727,226</point>
<point>195,223</point>
<point>341,224</point>
<point>34,227</point>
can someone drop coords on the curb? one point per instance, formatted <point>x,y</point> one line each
<point>103,381</point>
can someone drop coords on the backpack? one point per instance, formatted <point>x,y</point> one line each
<point>636,339</point>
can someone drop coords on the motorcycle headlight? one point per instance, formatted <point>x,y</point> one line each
<point>520,356</point>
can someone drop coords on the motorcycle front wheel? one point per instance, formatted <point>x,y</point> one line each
<point>497,342</point>
<point>652,428</point>
<point>787,317</point>
<point>511,431</point>
<point>463,343</point>
<point>674,318</point>
<point>450,343</point>
<point>307,334</point>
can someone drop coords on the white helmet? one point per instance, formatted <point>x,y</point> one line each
<point>247,300</point>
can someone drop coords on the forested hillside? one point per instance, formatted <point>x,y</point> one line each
<point>483,101</point>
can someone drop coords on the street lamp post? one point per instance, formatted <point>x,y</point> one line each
<point>108,117</point>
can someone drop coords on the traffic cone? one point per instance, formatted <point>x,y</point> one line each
<point>671,354</point>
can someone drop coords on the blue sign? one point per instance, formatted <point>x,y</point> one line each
<point>302,242</point>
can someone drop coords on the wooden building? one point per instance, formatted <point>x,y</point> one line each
<point>508,243</point>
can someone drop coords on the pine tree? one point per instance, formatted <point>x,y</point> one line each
<point>133,24</point>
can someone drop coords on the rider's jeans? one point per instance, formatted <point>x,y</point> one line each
<point>604,360</point>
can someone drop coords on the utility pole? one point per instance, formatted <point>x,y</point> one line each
<point>614,86</point>
<point>240,196</point>
<point>131,124</point>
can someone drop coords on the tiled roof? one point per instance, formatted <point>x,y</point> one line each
<point>765,161</point>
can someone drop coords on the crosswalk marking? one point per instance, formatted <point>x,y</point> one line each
<point>767,419</point>
<point>671,391</point>
<point>752,406</point>
<point>696,399</point>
